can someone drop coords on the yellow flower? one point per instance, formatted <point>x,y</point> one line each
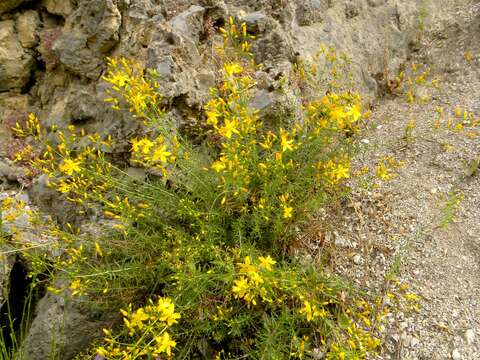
<point>247,266</point>
<point>160,154</point>
<point>218,166</point>
<point>167,309</point>
<point>169,315</point>
<point>285,143</point>
<point>354,112</point>
<point>307,310</point>
<point>233,69</point>
<point>287,212</point>
<point>70,166</point>
<point>266,262</point>
<point>212,117</point>
<point>64,188</point>
<point>75,285</point>
<point>229,128</point>
<point>143,145</point>
<point>165,343</point>
<point>240,289</point>
<point>137,319</point>
<point>342,172</point>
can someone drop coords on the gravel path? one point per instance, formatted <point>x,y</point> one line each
<point>419,233</point>
<point>427,217</point>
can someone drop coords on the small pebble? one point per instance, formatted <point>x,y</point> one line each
<point>456,355</point>
<point>470,336</point>
<point>357,259</point>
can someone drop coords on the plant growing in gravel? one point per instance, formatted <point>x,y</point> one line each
<point>450,208</point>
<point>206,236</point>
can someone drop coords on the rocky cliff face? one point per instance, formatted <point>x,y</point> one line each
<point>52,52</point>
<point>52,57</point>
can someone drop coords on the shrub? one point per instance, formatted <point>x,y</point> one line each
<point>206,236</point>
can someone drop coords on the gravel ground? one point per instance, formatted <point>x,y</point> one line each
<point>428,216</point>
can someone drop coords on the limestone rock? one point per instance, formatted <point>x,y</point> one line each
<point>15,63</point>
<point>310,11</point>
<point>90,32</point>
<point>61,324</point>
<point>189,23</point>
<point>50,202</point>
<point>59,7</point>
<point>256,22</point>
<point>9,172</point>
<point>27,28</point>
<point>7,5</point>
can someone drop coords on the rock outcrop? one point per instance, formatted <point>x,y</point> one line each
<point>16,62</point>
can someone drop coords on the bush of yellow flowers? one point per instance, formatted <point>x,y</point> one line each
<point>205,237</point>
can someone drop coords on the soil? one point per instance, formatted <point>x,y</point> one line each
<point>421,229</point>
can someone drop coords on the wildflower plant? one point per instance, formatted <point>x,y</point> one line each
<point>205,237</point>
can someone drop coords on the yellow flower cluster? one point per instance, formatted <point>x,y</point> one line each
<point>132,88</point>
<point>154,153</point>
<point>339,112</point>
<point>77,167</point>
<point>30,128</point>
<point>249,286</point>
<point>335,171</point>
<point>463,121</point>
<point>286,209</point>
<point>311,311</point>
<point>147,327</point>
<point>386,166</point>
<point>236,42</point>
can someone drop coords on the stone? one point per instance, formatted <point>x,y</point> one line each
<point>263,100</point>
<point>7,5</point>
<point>256,22</point>
<point>352,9</point>
<point>136,174</point>
<point>15,63</point>
<point>456,355</point>
<point>9,171</point>
<point>375,3</point>
<point>357,259</point>
<point>62,325</point>
<point>27,28</point>
<point>50,202</point>
<point>470,336</point>
<point>414,341</point>
<point>91,31</point>
<point>73,52</point>
<point>309,12</point>
<point>189,23</point>
<point>59,7</point>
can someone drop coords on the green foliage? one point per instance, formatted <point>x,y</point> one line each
<point>207,234</point>
<point>450,208</point>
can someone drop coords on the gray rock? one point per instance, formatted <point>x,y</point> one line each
<point>50,202</point>
<point>357,259</point>
<point>256,22</point>
<point>263,100</point>
<point>93,29</point>
<point>189,23</point>
<point>61,328</point>
<point>73,52</point>
<point>309,12</point>
<point>7,5</point>
<point>137,174</point>
<point>9,171</point>
<point>15,63</point>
